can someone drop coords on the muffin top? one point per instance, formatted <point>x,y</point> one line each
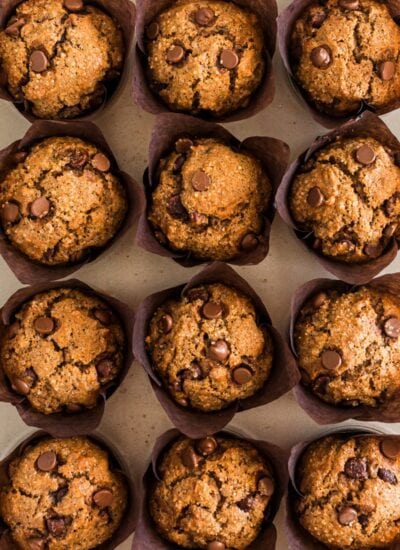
<point>62,347</point>
<point>213,493</point>
<point>348,346</point>
<point>348,196</point>
<point>57,56</point>
<point>210,200</point>
<point>209,348</point>
<point>345,53</point>
<point>62,493</point>
<point>350,493</point>
<point>205,56</point>
<point>60,201</point>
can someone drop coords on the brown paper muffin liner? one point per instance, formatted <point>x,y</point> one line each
<point>130,518</point>
<point>367,125</point>
<point>62,424</point>
<point>29,271</point>
<point>147,10</point>
<point>271,152</point>
<point>193,423</point>
<point>146,536</point>
<point>326,413</point>
<point>286,21</point>
<point>124,13</point>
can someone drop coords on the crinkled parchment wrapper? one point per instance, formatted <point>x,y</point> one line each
<point>368,125</point>
<point>63,424</point>
<point>298,538</point>
<point>147,10</point>
<point>27,270</point>
<point>146,536</point>
<point>122,11</point>
<point>326,413</point>
<point>286,21</point>
<point>130,518</point>
<point>272,153</point>
<point>193,423</point>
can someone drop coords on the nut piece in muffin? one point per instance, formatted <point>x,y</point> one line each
<point>205,57</point>
<point>346,53</point>
<point>350,491</point>
<point>208,347</point>
<point>59,56</point>
<point>348,196</point>
<point>63,347</point>
<point>213,493</point>
<point>62,493</point>
<point>348,346</point>
<point>210,200</point>
<point>60,201</point>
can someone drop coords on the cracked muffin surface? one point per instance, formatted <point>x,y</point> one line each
<point>205,57</point>
<point>62,493</point>
<point>348,346</point>
<point>348,197</point>
<point>213,493</point>
<point>350,492</point>
<point>209,347</point>
<point>210,200</point>
<point>58,56</point>
<point>61,348</point>
<point>345,53</point>
<point>60,201</point>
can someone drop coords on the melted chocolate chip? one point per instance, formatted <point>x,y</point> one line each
<point>247,503</point>
<point>212,310</point>
<point>40,207</point>
<point>206,446</point>
<point>101,162</point>
<point>152,30</point>
<point>104,368</point>
<point>321,57</point>
<point>200,181</point>
<point>189,458</point>
<point>74,5</point>
<point>47,461</point>
<point>347,516</point>
<point>356,468</point>
<point>44,325</point>
<point>103,498</point>
<point>365,155</point>
<point>265,486</point>
<point>102,315</point>
<point>175,54</point>
<point>387,475</point>
<point>56,526</point>
<point>331,359</point>
<point>19,386</point>
<point>175,207</point>
<point>242,375</point>
<point>204,17</point>
<point>183,145</point>
<point>391,327</point>
<point>229,59</point>
<point>390,448</point>
<point>218,351</point>
<point>349,4</point>
<point>39,61</point>
<point>9,213</point>
<point>315,198</point>
<point>216,545</point>
<point>386,70</point>
<point>166,323</point>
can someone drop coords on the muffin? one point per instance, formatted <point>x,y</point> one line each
<point>345,53</point>
<point>62,493</point>
<point>60,201</point>
<point>212,494</point>
<point>349,492</point>
<point>348,346</point>
<point>210,201</point>
<point>205,57</point>
<point>209,347</point>
<point>63,347</point>
<point>59,56</point>
<point>347,196</point>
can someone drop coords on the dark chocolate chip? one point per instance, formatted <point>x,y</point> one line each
<point>39,61</point>
<point>365,155</point>
<point>212,310</point>
<point>179,162</point>
<point>347,515</point>
<point>59,494</point>
<point>206,446</point>
<point>386,70</point>
<point>356,468</point>
<point>78,159</point>
<point>104,368</point>
<point>197,294</point>
<point>229,59</point>
<point>390,447</point>
<point>391,327</point>
<point>331,359</point>
<point>56,526</point>
<point>218,351</point>
<point>390,230</point>
<point>175,54</point>
<point>166,323</point>
<point>13,28</point>
<point>200,181</point>
<point>40,207</point>
<point>387,475</point>
<point>47,461</point>
<point>101,162</point>
<point>319,299</point>
<point>44,325</point>
<point>216,545</point>
<point>349,4</point>
<point>317,19</point>
<point>249,242</point>
<point>103,498</point>
<point>9,212</point>
<point>373,251</point>
<point>204,17</point>
<point>175,207</point>
<point>315,197</point>
<point>73,5</point>
<point>321,57</point>
<point>247,503</point>
<point>241,375</point>
<point>189,458</point>
<point>152,30</point>
<point>183,145</point>
<point>102,315</point>
<point>20,386</point>
<point>320,384</point>
<point>265,486</point>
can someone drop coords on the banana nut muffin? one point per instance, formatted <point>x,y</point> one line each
<point>60,201</point>
<point>213,493</point>
<point>62,493</point>
<point>205,56</point>
<point>348,346</point>
<point>210,200</point>
<point>350,492</point>
<point>348,196</point>
<point>62,347</point>
<point>58,56</point>
<point>209,348</point>
<point>345,53</point>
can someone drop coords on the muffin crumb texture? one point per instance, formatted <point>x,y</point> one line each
<point>213,494</point>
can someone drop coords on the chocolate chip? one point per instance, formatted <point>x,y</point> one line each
<point>229,59</point>
<point>241,375</point>
<point>321,57</point>
<point>40,207</point>
<point>179,162</point>
<point>102,315</point>
<point>36,543</point>
<point>386,70</point>
<point>218,351</point>
<point>390,447</point>
<point>206,446</point>
<point>320,384</point>
<point>14,26</point>
<point>20,386</point>
<point>175,207</point>
<point>175,54</point>
<point>265,486</point>
<point>47,461</point>
<point>44,325</point>
<point>189,458</point>
<point>387,475</point>
<point>59,494</point>
<point>166,323</point>
<point>391,327</point>
<point>216,545</point>
<point>365,155</point>
<point>197,294</point>
<point>317,19</point>
<point>73,5</point>
<point>315,197</point>
<point>39,61</point>
<point>101,162</point>
<point>356,468</point>
<point>212,310</point>
<point>349,4</point>
<point>103,498</point>
<point>78,159</point>
<point>331,359</point>
<point>347,515</point>
<point>152,30</point>
<point>373,251</point>
<point>204,17</point>
<point>56,526</point>
<point>183,145</point>
<point>247,503</point>
<point>319,299</point>
<point>9,212</point>
<point>200,181</point>
<point>104,368</point>
<point>249,242</point>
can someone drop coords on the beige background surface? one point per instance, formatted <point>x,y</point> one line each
<point>133,416</point>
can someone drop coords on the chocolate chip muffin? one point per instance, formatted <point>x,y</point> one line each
<point>348,196</point>
<point>348,346</point>
<point>350,492</point>
<point>213,493</point>
<point>205,56</point>
<point>209,347</point>
<point>346,53</point>
<point>59,56</point>
<point>60,201</point>
<point>210,200</point>
<point>62,348</point>
<point>62,493</point>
